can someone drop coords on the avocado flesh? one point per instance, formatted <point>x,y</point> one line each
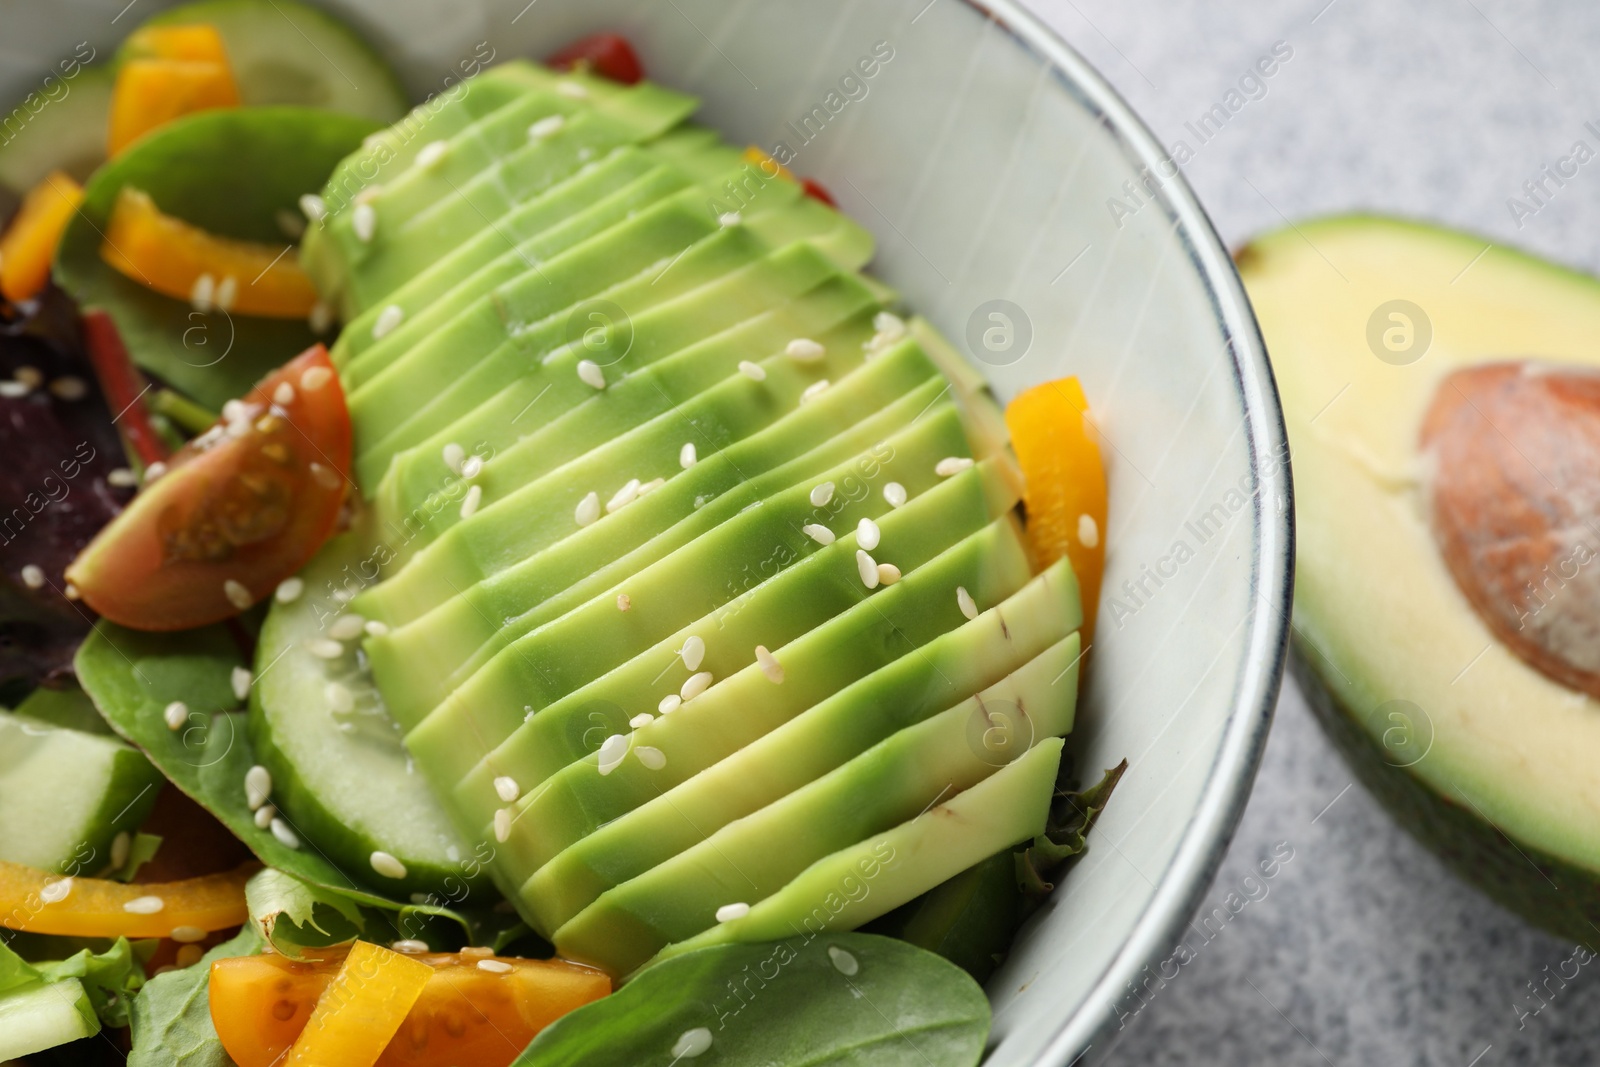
<point>1510,749</point>
<point>778,610</point>
<point>1029,664</point>
<point>991,565</point>
<point>1010,805</point>
<point>895,780</point>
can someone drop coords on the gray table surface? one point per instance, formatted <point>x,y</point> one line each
<point>1365,949</point>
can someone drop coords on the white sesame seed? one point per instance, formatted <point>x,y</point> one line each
<point>314,207</point>
<point>691,1043</point>
<point>1088,531</point>
<point>814,390</point>
<point>769,665</point>
<point>55,892</point>
<point>505,787</point>
<point>502,825</point>
<point>390,317</point>
<point>804,350</point>
<point>339,697</point>
<point>386,865</point>
<point>495,966</point>
<point>240,678</point>
<point>227,292</point>
<point>895,494</point>
<point>469,503</point>
<point>693,652</point>
<point>154,471</point>
<point>888,574</point>
<point>431,153</point>
<point>951,465</point>
<point>289,590</point>
<point>257,786</point>
<point>28,375</point>
<point>202,294</point>
<point>964,601</point>
<point>646,488</point>
<point>189,955</point>
<point>641,720</point>
<point>410,947</point>
<point>471,467</point>
<point>264,816</point>
<point>187,935</point>
<point>695,685</point>
<point>69,387</point>
<point>653,758</point>
<point>818,533</point>
<point>283,395</point>
<point>729,912</point>
<point>286,837</point>
<point>376,628</point>
<point>687,455</point>
<point>121,845</point>
<point>454,455</point>
<point>821,494</point>
<point>844,962</point>
<point>346,627</point>
<point>324,648</point>
<point>175,715</point>
<point>612,750</point>
<point>144,905</point>
<point>33,576</point>
<point>315,378</point>
<point>754,371</point>
<point>868,568</point>
<point>477,952</point>
<point>320,317</point>
<point>588,509</point>
<point>669,704</point>
<point>572,90</point>
<point>546,126</point>
<point>71,592</point>
<point>14,390</point>
<point>889,324</point>
<point>364,221</point>
<point>624,602</point>
<point>728,218</point>
<point>122,478</point>
<point>867,534</point>
<point>624,496</point>
<point>590,374</point>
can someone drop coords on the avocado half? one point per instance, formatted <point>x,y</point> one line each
<point>1482,755</point>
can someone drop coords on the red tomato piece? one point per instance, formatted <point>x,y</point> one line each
<point>815,190</point>
<point>606,54</point>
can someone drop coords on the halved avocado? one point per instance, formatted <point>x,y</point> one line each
<point>1437,389</point>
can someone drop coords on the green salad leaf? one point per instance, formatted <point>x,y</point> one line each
<point>1072,815</point>
<point>111,978</point>
<point>234,172</point>
<point>171,1017</point>
<point>832,999</point>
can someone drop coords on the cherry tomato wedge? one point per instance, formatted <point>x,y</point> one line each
<point>606,54</point>
<point>814,189</point>
<point>240,508</point>
<point>465,1015</point>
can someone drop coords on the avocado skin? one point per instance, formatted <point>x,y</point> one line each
<point>1547,891</point>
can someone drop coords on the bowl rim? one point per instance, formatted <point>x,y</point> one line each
<point>1204,841</point>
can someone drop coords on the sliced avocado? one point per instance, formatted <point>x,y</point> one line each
<point>991,565</point>
<point>1475,748</point>
<point>66,794</point>
<point>339,771</point>
<point>67,133</point>
<point>773,612</point>
<point>35,1016</point>
<point>963,672</point>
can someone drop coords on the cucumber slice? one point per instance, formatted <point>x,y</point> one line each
<point>66,794</point>
<point>285,52</point>
<point>67,133</point>
<point>39,1016</point>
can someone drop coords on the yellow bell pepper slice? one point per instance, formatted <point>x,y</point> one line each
<point>769,166</point>
<point>152,92</point>
<point>361,1010</point>
<point>29,243</point>
<point>199,42</point>
<point>42,902</point>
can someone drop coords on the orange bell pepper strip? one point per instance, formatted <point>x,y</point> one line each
<point>361,1010</point>
<point>171,256</point>
<point>198,42</point>
<point>768,166</point>
<point>1064,483</point>
<point>29,243</point>
<point>152,92</point>
<point>42,902</point>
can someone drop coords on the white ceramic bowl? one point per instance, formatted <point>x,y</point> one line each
<point>993,164</point>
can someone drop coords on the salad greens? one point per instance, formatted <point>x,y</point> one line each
<point>171,1017</point>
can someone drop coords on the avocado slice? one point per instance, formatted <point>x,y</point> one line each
<point>1018,660</point>
<point>1484,756</point>
<point>897,779</point>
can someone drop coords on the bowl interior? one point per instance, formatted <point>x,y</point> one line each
<point>994,166</point>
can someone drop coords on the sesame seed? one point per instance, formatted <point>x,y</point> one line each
<point>283,395</point>
<point>339,697</point>
<point>964,601</point>
<point>120,846</point>
<point>454,455</point>
<point>653,758</point>
<point>472,466</point>
<point>590,374</point>
<point>144,905</point>
<point>895,494</point>
<point>264,816</point>
<point>728,218</point>
<point>868,568</point>
<point>289,590</point>
<point>624,602</point>
<point>814,390</point>
<point>506,789</point>
<point>122,478</point>
<point>888,574</point>
<point>1088,531</point>
<point>820,495</point>
<point>390,317</point>
<point>641,720</point>
<point>669,704</point>
<point>28,375</point>
<point>687,456</point>
<point>612,750</point>
<point>257,786</point>
<point>154,471</point>
<point>387,865</point>
<point>624,496</point>
<point>951,465</point>
<point>651,486</point>
<point>315,378</point>
<point>693,652</point>
<point>69,387</point>
<point>588,509</point>
<point>324,648</point>
<point>887,322</point>
<point>469,504</point>
<point>175,715</point>
<point>227,292</point>
<point>33,576</point>
<point>431,153</point>
<point>546,126</point>
<point>729,912</point>
<point>844,962</point>
<point>818,533</point>
<point>867,534</point>
<point>695,685</point>
<point>55,892</point>
<point>202,294</point>
<point>346,627</point>
<point>572,90</point>
<point>495,966</point>
<point>754,371</point>
<point>477,952</point>
<point>14,390</point>
<point>320,317</point>
<point>502,825</point>
<point>364,221</point>
<point>240,678</point>
<point>804,350</point>
<point>376,628</point>
<point>187,935</point>
<point>71,592</point>
<point>189,955</point>
<point>769,665</point>
<point>286,837</point>
<point>314,207</point>
<point>692,1043</point>
<point>409,947</point>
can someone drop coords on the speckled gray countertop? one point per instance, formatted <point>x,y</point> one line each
<point>1363,949</point>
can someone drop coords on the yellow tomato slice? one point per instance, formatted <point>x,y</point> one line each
<point>29,243</point>
<point>42,902</point>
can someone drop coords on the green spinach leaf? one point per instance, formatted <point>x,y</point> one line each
<point>171,1016</point>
